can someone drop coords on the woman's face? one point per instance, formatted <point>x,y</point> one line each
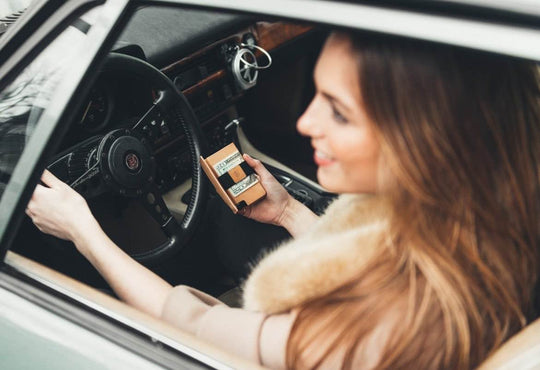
<point>346,151</point>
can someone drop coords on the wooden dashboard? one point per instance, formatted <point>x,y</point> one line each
<point>269,36</point>
<point>206,79</point>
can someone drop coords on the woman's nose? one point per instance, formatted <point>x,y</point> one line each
<point>309,122</point>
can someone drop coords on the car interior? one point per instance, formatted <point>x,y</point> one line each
<point>246,80</point>
<point>255,109</point>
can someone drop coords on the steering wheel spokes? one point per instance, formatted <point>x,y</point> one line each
<point>90,185</point>
<point>79,168</point>
<point>128,168</point>
<point>155,116</point>
<point>122,161</point>
<point>155,205</point>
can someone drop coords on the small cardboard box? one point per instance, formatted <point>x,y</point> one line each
<point>234,180</point>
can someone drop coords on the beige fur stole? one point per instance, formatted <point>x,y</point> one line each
<point>331,254</point>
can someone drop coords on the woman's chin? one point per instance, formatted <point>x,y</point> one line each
<point>338,182</point>
<point>327,181</point>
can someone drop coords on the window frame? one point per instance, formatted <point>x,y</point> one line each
<point>56,118</point>
<point>17,274</point>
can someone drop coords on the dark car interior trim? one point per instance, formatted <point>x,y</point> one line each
<point>193,30</point>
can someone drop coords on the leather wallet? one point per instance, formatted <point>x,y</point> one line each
<point>234,180</point>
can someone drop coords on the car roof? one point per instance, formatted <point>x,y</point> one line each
<point>517,6</point>
<point>474,25</point>
<point>193,29</point>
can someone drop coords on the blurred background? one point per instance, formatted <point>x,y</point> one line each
<point>10,10</point>
<point>8,7</point>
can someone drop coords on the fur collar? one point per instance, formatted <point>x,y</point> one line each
<point>328,256</point>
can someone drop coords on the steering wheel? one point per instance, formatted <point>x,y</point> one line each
<point>122,161</point>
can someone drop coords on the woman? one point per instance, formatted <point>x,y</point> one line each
<point>435,269</point>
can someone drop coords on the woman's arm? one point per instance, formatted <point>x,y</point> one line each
<point>279,207</point>
<point>131,281</point>
<point>60,211</point>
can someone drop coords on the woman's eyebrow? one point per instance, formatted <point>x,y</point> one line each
<point>335,101</point>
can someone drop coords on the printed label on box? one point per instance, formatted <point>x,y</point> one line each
<point>228,163</point>
<point>243,185</point>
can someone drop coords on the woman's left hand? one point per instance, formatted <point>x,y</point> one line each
<point>57,209</point>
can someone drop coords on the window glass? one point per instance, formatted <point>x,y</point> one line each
<point>23,102</point>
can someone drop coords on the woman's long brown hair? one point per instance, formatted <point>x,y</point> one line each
<point>460,140</point>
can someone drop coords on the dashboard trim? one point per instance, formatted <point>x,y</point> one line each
<point>204,82</point>
<point>269,35</point>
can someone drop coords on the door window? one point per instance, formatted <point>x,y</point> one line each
<point>23,102</point>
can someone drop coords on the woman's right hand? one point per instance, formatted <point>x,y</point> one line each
<point>272,208</point>
<point>58,210</point>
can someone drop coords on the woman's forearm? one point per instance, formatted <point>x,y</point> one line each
<point>58,210</point>
<point>131,281</point>
<point>297,218</point>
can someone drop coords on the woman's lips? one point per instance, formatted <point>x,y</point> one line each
<point>322,159</point>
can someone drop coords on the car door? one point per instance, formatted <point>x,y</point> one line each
<point>48,320</point>
<point>32,46</point>
<point>28,299</point>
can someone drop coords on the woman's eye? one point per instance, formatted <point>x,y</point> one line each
<point>338,116</point>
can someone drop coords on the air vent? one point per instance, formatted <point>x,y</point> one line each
<point>245,66</point>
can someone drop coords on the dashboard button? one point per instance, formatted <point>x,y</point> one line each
<point>164,128</point>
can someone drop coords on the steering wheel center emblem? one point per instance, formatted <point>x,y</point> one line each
<point>132,162</point>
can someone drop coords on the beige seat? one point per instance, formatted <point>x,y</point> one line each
<point>521,352</point>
